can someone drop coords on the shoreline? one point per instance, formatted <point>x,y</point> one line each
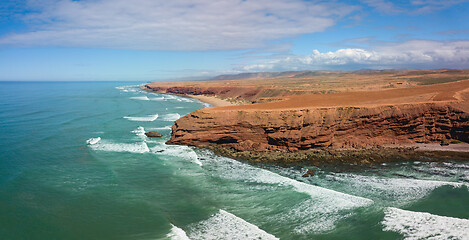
<point>213,101</point>
<point>272,136</point>
<point>345,157</point>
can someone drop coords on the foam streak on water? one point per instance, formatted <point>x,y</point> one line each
<point>318,213</point>
<point>178,151</point>
<point>420,225</point>
<point>109,146</point>
<point>397,190</point>
<point>149,118</point>
<point>143,98</point>
<point>93,141</point>
<point>171,117</point>
<point>224,225</point>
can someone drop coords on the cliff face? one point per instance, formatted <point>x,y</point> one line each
<point>252,94</point>
<point>328,127</point>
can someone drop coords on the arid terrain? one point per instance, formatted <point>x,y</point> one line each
<point>328,113</point>
<point>259,87</point>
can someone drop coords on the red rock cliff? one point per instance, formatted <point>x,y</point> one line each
<point>339,127</point>
<point>345,120</point>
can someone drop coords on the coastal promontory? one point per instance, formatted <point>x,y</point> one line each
<point>335,123</point>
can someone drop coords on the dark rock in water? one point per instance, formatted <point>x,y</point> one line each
<point>309,173</point>
<point>153,134</point>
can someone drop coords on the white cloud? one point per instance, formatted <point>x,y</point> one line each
<point>411,6</point>
<point>410,54</point>
<point>173,25</point>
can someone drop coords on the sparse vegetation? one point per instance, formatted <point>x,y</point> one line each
<point>436,80</point>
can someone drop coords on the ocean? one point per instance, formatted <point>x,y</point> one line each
<point>75,164</point>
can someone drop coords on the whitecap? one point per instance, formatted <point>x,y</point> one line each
<point>143,98</point>
<point>397,190</point>
<point>157,99</point>
<point>225,225</point>
<point>171,117</point>
<point>109,146</point>
<point>421,225</point>
<point>140,131</point>
<point>179,151</point>
<point>92,141</point>
<point>161,128</point>
<point>318,213</point>
<point>149,118</point>
<point>177,234</point>
<point>128,88</point>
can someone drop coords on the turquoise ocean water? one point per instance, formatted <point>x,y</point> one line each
<point>74,164</point>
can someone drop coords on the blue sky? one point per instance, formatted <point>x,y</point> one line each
<point>146,40</point>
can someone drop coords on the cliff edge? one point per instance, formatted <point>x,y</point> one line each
<point>333,122</point>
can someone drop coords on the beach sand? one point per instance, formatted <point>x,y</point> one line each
<point>214,101</point>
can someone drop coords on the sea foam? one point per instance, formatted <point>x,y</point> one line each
<point>92,141</point>
<point>143,98</point>
<point>109,146</point>
<point>421,225</point>
<point>157,99</point>
<point>225,225</point>
<point>397,190</point>
<point>177,234</point>
<point>319,212</point>
<point>183,152</point>
<point>161,128</point>
<point>171,117</point>
<point>149,118</point>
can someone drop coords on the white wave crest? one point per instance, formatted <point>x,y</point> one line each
<point>149,118</point>
<point>140,131</point>
<point>157,99</point>
<point>224,225</point>
<point>398,190</point>
<point>143,98</point>
<point>171,117</point>
<point>92,141</point>
<point>421,225</point>
<point>177,234</point>
<point>109,146</point>
<point>161,128</point>
<point>183,152</point>
<point>319,212</point>
<point>129,88</point>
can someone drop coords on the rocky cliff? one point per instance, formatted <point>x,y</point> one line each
<point>332,127</point>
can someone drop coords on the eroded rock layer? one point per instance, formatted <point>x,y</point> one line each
<point>332,127</point>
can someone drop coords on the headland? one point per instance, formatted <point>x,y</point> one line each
<point>325,116</point>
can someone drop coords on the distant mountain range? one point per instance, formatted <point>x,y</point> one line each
<point>299,74</point>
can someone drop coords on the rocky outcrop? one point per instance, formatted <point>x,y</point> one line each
<point>153,134</point>
<point>322,128</point>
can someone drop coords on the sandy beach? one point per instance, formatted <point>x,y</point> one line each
<point>212,100</point>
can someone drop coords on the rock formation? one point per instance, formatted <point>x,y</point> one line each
<point>153,134</point>
<point>333,127</point>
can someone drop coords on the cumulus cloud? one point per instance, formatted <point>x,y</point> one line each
<point>180,25</point>
<point>410,54</point>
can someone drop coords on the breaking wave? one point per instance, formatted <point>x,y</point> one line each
<point>93,141</point>
<point>171,117</point>
<point>225,225</point>
<point>177,234</point>
<point>143,98</point>
<point>421,225</point>
<point>109,146</point>
<point>149,118</point>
